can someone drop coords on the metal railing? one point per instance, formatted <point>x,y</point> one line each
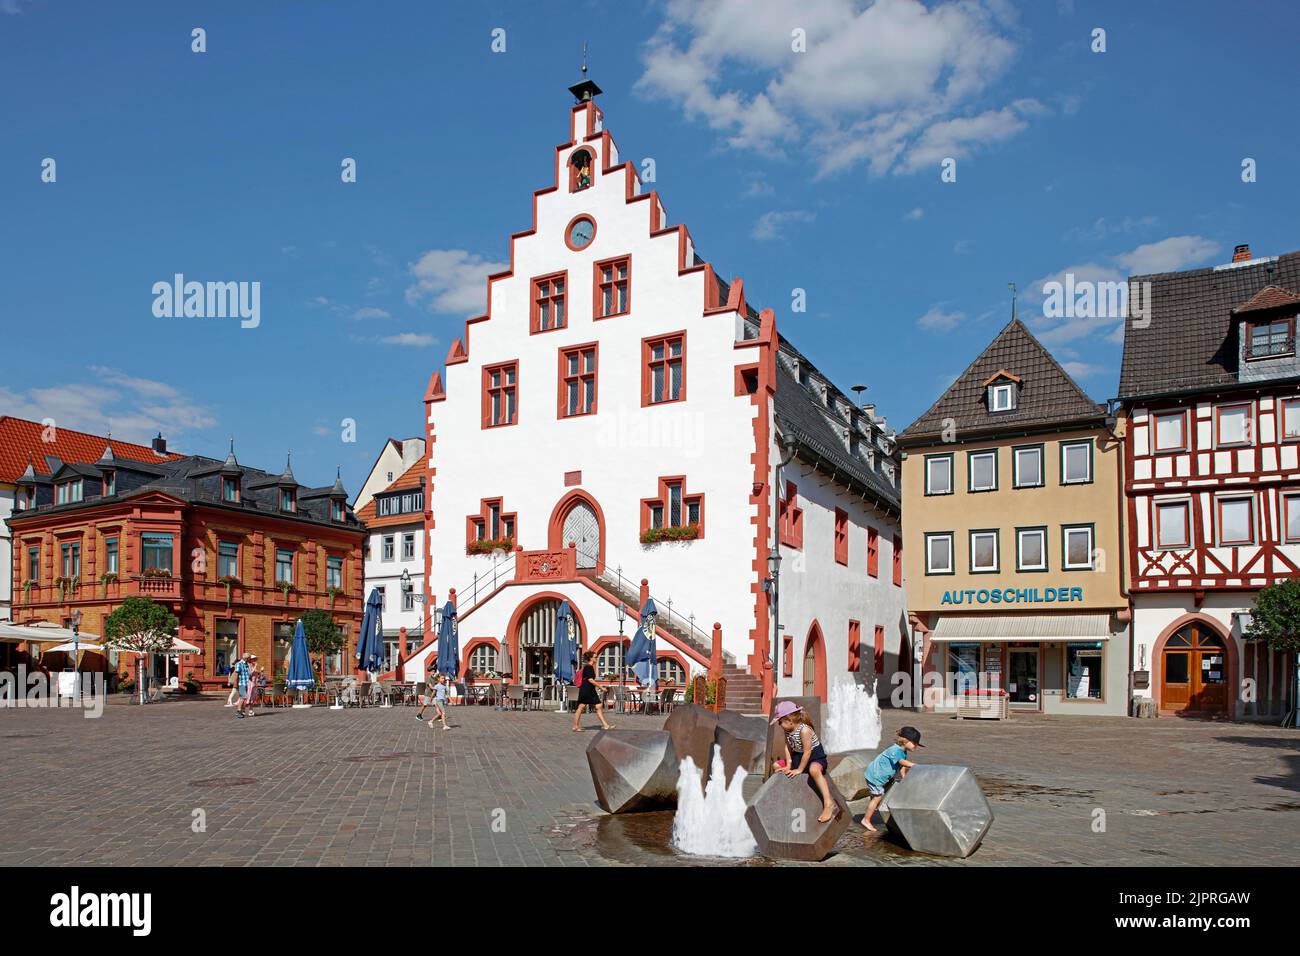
<point>503,571</point>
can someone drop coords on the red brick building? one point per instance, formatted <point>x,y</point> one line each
<point>237,554</point>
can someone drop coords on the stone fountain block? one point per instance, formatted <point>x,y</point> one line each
<point>784,834</point>
<point>742,741</point>
<point>692,729</point>
<point>848,772</point>
<point>633,770</point>
<point>938,809</point>
<point>776,736</point>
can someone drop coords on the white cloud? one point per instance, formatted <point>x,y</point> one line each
<point>412,339</point>
<point>370,312</point>
<point>452,281</point>
<point>891,85</point>
<point>131,408</point>
<point>771,225</point>
<point>1168,255</point>
<point>914,215</point>
<point>940,319</point>
<point>1083,369</point>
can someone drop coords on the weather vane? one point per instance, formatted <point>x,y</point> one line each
<point>584,57</point>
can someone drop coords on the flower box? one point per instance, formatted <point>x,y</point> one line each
<point>686,532</point>
<point>488,545</point>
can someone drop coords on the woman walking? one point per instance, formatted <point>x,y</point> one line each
<point>588,694</point>
<point>255,679</point>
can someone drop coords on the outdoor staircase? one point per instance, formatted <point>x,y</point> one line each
<point>744,690</point>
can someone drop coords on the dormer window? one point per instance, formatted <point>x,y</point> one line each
<point>1002,397</point>
<point>110,483</point>
<point>1270,339</point>
<point>68,492</point>
<point>336,510</point>
<point>230,490</point>
<point>581,165</point>
<point>288,500</point>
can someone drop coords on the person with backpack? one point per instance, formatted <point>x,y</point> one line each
<point>588,694</point>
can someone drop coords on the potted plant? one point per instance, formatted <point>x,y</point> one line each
<point>27,591</point>
<point>107,578</point>
<point>686,532</point>
<point>488,545</point>
<point>333,593</point>
<point>286,587</point>
<point>156,573</point>
<point>230,581</point>
<point>191,686</point>
<point>65,586</point>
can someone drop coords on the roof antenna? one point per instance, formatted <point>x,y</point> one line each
<point>1015,314</point>
<point>857,391</point>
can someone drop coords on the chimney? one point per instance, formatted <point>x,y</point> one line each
<point>159,445</point>
<point>1241,253</point>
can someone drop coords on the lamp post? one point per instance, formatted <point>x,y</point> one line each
<point>621,615</point>
<point>76,646</point>
<point>773,585</point>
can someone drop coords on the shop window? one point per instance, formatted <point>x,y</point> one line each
<point>964,665</point>
<point>841,536</point>
<point>938,553</point>
<point>1170,431</point>
<point>225,647</point>
<point>613,287</point>
<point>663,372</point>
<point>578,381</point>
<point>1083,670</point>
<point>790,517</point>
<point>281,644</point>
<point>500,392</point>
<point>609,663</point>
<point>1076,462</point>
<point>983,469</point>
<point>1076,547</point>
<point>1236,521</point>
<point>334,662</point>
<point>1173,524</point>
<point>549,298</point>
<point>873,552</point>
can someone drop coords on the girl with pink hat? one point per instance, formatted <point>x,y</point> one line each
<point>803,753</point>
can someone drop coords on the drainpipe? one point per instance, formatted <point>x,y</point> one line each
<point>1122,500</point>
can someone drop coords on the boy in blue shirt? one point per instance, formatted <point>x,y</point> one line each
<point>880,772</point>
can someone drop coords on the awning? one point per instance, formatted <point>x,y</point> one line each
<point>40,633</point>
<point>1023,627</point>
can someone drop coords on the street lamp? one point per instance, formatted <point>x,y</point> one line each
<point>621,615</point>
<point>773,586</point>
<point>76,643</point>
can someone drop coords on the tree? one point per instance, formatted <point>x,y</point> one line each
<point>324,637</point>
<point>141,625</point>
<point>1275,620</point>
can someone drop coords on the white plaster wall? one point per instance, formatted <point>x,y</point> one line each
<point>1152,613</point>
<point>623,449</point>
<point>388,574</point>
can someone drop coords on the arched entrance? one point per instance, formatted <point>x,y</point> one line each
<point>814,664</point>
<point>1194,672</point>
<point>578,518</point>
<point>532,637</point>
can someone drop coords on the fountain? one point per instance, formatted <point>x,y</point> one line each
<point>710,820</point>
<point>852,718</point>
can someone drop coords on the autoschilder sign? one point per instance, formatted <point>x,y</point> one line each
<point>1060,595</point>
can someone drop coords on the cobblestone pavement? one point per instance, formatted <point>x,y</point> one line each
<point>374,787</point>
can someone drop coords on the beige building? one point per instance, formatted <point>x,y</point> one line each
<point>1012,539</point>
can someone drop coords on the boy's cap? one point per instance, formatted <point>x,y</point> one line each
<point>785,709</point>
<point>912,734</point>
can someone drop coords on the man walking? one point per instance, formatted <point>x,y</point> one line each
<point>241,684</point>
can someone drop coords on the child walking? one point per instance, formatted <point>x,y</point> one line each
<point>440,701</point>
<point>803,753</point>
<point>892,760</point>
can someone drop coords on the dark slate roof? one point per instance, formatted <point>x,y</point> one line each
<point>1190,343</point>
<point>196,480</point>
<point>1048,396</point>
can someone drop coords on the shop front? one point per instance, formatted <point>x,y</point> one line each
<point>1040,663</point>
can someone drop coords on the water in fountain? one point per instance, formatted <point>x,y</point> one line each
<point>710,820</point>
<point>852,718</point>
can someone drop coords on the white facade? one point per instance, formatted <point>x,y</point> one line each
<point>549,478</point>
<point>393,460</point>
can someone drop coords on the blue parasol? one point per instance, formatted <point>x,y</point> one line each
<point>300,675</point>
<point>643,655</point>
<point>448,642</point>
<point>566,646</point>
<point>370,640</point>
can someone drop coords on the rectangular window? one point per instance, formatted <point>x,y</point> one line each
<point>500,390</point>
<point>110,483</point>
<point>938,474</point>
<point>1171,431</point>
<point>334,573</point>
<point>1236,520</point>
<point>110,555</point>
<point>408,546</point>
<point>898,561</point>
<point>336,510</point>
<point>613,287</point>
<point>790,517</point>
<point>1076,462</point>
<point>156,552</point>
<point>227,559</point>
<point>281,642</point>
<point>1031,549</point>
<point>69,492</point>
<point>1083,671</point>
<point>873,552</point>
<point>389,547</point>
<point>383,597</point>
<point>225,647</point>
<point>983,551</point>
<point>664,372</point>
<point>1173,524</point>
<point>1291,519</point>
<point>1027,467</point>
<point>855,646</point>
<point>229,489</point>
<point>1232,425</point>
<point>1291,419</point>
<point>983,467</point>
<point>1076,547</point>
<point>286,499</point>
<point>938,553</point>
<point>1271,339</point>
<point>283,566</point>
<point>33,564</point>
<point>548,311</point>
<point>71,560</point>
<point>880,649</point>
<point>841,536</point>
<point>408,599</point>
<point>577,381</point>
<point>1002,397</point>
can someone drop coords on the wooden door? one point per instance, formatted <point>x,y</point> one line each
<point>810,669</point>
<point>1194,672</point>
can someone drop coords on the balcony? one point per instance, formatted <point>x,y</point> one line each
<point>560,564</point>
<point>158,587</point>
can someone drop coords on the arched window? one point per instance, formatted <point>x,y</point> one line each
<point>483,659</point>
<point>609,661</point>
<point>670,672</point>
<point>582,170</point>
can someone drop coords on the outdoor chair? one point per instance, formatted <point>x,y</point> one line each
<point>420,688</point>
<point>384,691</point>
<point>571,698</point>
<point>361,693</point>
<point>515,697</point>
<point>667,700</point>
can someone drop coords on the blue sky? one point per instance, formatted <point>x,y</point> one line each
<point>816,170</point>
